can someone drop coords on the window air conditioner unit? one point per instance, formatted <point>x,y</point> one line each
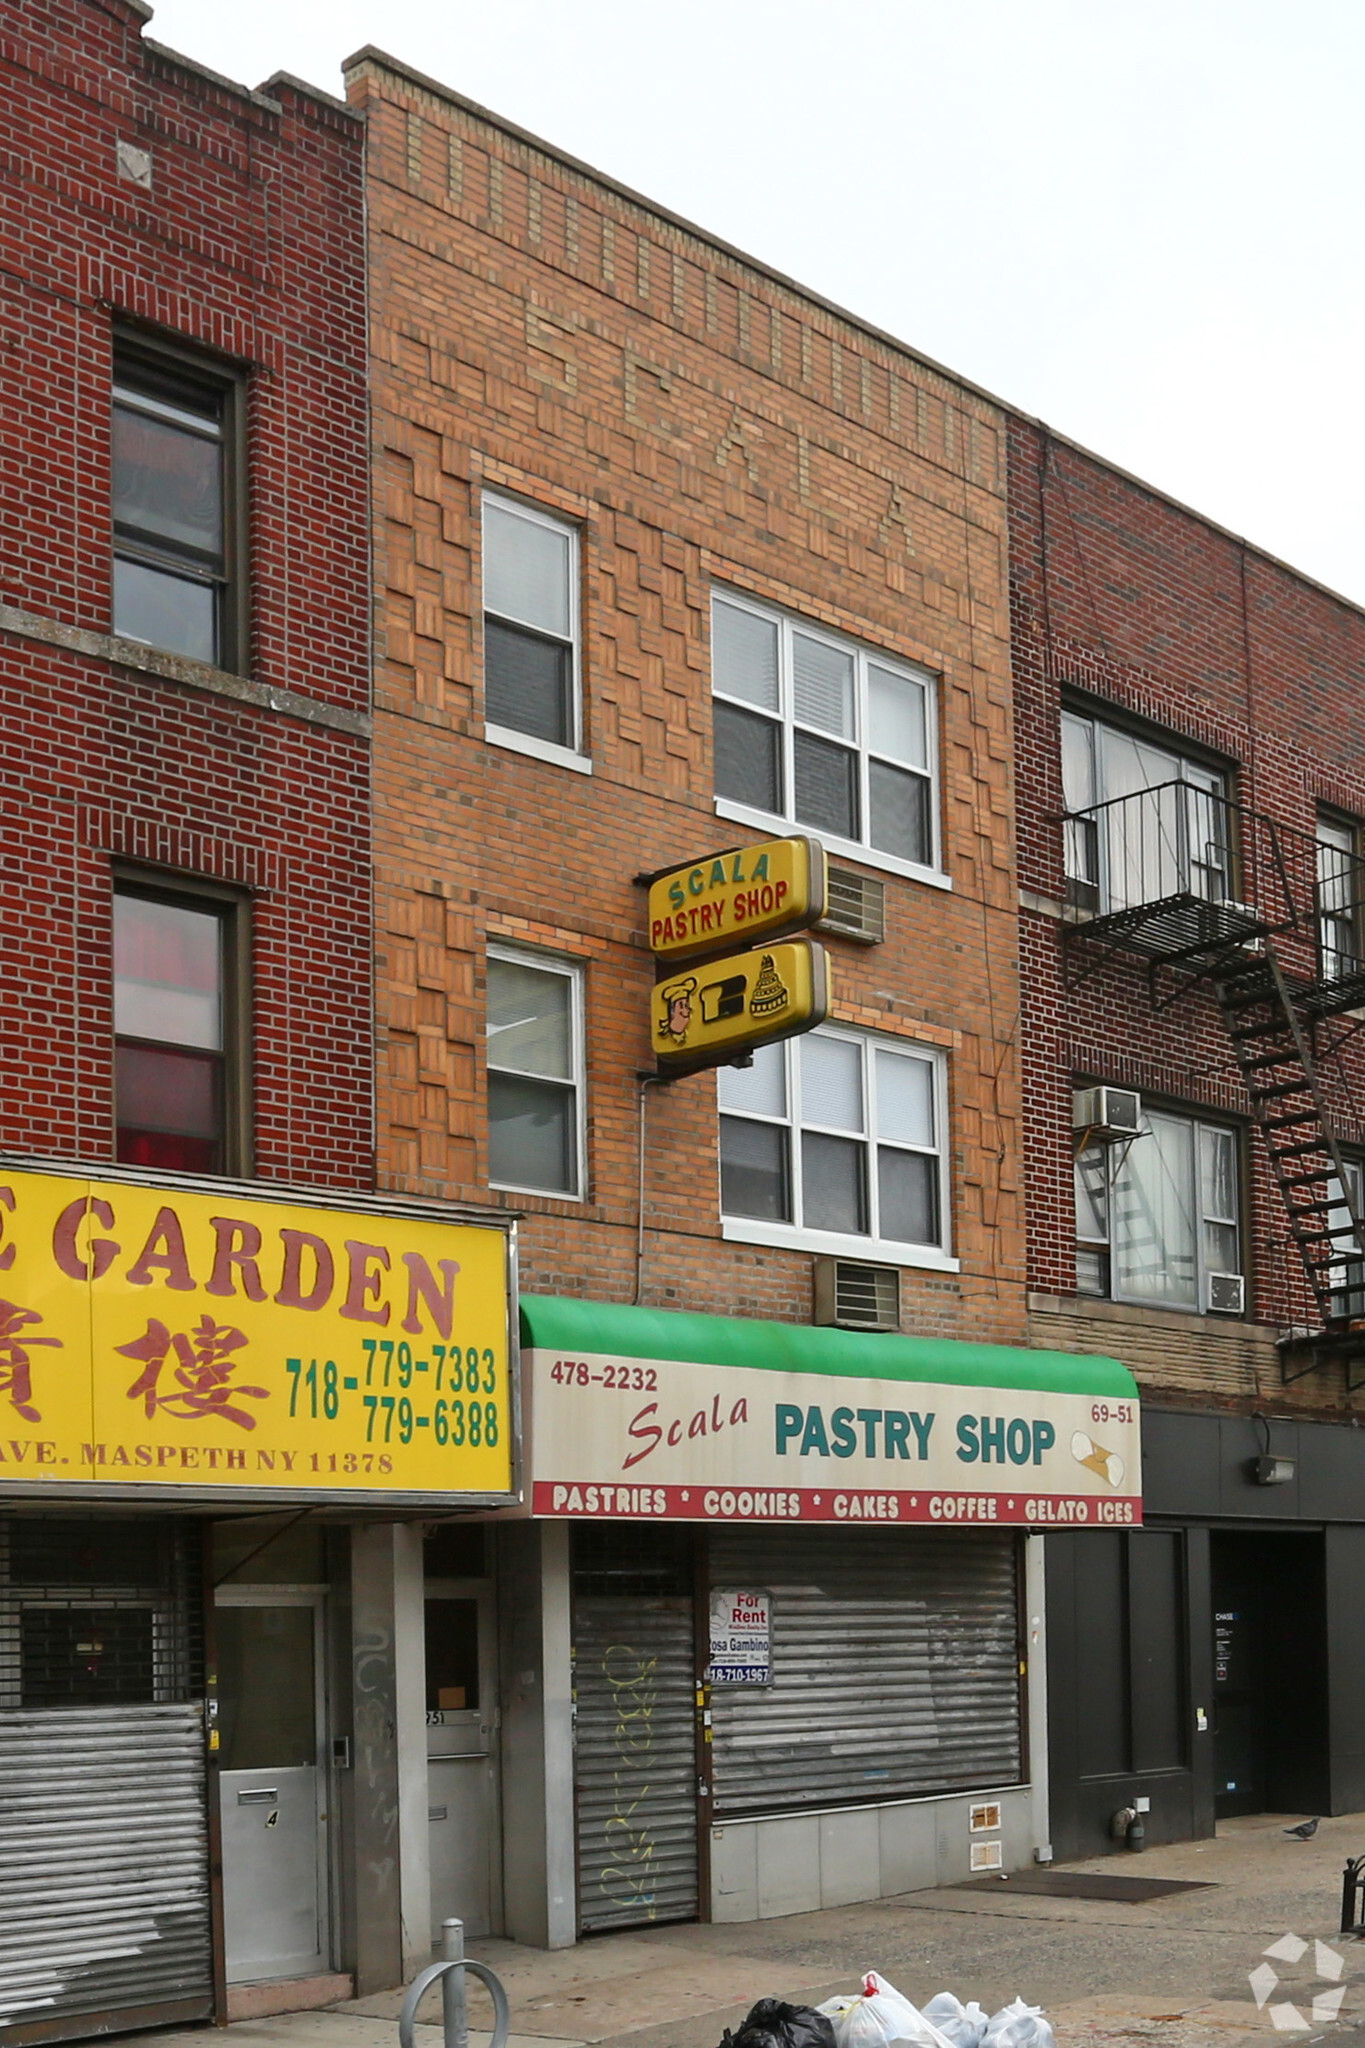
<point>853,1297</point>
<point>1226,1294</point>
<point>1107,1112</point>
<point>855,906</point>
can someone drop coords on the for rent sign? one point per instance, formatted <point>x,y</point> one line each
<point>202,1340</point>
<point>659,1438</point>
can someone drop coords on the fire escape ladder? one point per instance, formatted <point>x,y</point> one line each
<point>1276,1064</point>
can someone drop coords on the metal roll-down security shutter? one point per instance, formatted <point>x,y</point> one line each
<point>635,1738</point>
<point>104,1892</point>
<point>895,1667</point>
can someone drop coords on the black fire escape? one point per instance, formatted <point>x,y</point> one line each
<point>1210,893</point>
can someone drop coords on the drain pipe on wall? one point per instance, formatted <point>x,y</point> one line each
<point>645,1081</point>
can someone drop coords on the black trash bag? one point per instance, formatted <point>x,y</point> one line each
<point>773,2024</point>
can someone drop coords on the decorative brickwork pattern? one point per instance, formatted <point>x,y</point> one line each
<point>701,422</point>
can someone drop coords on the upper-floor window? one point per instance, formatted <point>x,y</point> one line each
<point>1348,1273</point>
<point>176,506</point>
<point>1159,1215</point>
<point>535,1074</point>
<point>532,695</point>
<point>177,1083</point>
<point>1162,826</point>
<point>816,731</point>
<point>836,1135</point>
<point>1339,880</point>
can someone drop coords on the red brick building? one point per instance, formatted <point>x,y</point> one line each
<point>1191,782</point>
<point>184,852</point>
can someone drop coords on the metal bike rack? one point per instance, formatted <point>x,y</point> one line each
<point>1352,1904</point>
<point>454,2011</point>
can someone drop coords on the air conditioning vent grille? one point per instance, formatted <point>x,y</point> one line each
<point>849,1296</point>
<point>855,906</point>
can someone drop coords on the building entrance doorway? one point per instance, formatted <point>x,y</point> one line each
<point>1269,1673</point>
<point>271,1782</point>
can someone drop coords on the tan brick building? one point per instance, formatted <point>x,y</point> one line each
<point>671,554</point>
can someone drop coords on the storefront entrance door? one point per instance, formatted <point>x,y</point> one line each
<point>274,1863</point>
<point>1269,1673</point>
<point>462,1767</point>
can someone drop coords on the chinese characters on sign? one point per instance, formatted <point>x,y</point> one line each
<point>188,1338</point>
<point>200,1380</point>
<point>741,1637</point>
<point>16,1368</point>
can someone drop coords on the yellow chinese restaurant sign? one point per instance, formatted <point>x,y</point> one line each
<point>744,1000</point>
<point>153,1336</point>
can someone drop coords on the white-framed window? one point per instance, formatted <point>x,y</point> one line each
<point>836,1141</point>
<point>531,654</point>
<point>1348,1273</point>
<point>535,1073</point>
<point>1339,880</point>
<point>817,731</point>
<point>1139,848</point>
<point>1158,1215</point>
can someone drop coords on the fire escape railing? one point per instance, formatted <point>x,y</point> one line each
<point>1211,891</point>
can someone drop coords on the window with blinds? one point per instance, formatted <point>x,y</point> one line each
<point>895,1667</point>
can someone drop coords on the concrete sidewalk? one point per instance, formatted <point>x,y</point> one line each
<point>1173,1972</point>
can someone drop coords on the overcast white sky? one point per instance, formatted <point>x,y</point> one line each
<point>1140,219</point>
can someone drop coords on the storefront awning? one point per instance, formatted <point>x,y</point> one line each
<point>662,1414</point>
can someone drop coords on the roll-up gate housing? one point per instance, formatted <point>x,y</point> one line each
<point>895,1667</point>
<point>104,1888</point>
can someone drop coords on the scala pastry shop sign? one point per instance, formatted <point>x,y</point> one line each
<point>665,1439</point>
<point>742,1001</point>
<point>738,897</point>
<point>705,1014</point>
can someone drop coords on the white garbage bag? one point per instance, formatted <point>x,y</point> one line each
<point>962,2025</point>
<point>1018,2026</point>
<point>882,2017</point>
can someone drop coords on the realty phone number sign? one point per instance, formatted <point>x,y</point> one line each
<point>664,1439</point>
<point>154,1337</point>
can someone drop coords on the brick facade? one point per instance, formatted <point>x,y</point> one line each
<point>1130,604</point>
<point>145,193</point>
<point>700,421</point>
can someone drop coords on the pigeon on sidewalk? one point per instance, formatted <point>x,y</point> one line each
<point>1305,1830</point>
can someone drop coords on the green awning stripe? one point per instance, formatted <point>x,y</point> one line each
<point>608,1329</point>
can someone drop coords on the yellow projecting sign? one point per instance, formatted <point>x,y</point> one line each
<point>708,1014</point>
<point>737,898</point>
<point>157,1336</point>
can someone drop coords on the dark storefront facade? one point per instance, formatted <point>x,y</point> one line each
<point>1213,1662</point>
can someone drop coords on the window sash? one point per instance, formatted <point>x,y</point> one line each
<point>855,1169</point>
<point>1114,859</point>
<point>1141,1229</point>
<point>557,718</point>
<point>560,1094</point>
<point>177,570</point>
<point>1338,880</point>
<point>179,1091</point>
<point>871,792</point>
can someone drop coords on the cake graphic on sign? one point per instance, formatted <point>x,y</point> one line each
<point>770,991</point>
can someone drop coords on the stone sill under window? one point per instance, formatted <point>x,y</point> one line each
<point>1106,1311</point>
<point>538,749</point>
<point>182,668</point>
<point>788,1237</point>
